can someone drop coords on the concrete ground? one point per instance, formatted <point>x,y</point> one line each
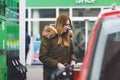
<point>35,72</point>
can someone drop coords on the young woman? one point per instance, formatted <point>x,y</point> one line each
<point>56,46</point>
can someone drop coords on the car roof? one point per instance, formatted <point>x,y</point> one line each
<point>113,10</point>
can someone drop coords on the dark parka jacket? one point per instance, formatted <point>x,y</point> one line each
<point>51,53</point>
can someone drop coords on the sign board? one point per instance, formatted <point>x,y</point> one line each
<point>63,3</point>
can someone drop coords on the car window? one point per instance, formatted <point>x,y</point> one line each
<point>111,61</point>
<point>107,45</point>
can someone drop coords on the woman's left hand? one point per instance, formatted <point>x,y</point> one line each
<point>73,63</point>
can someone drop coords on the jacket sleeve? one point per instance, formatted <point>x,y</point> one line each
<point>73,56</point>
<point>44,53</point>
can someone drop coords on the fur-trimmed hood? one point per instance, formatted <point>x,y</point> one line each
<point>49,31</point>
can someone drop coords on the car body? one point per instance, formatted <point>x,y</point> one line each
<point>101,59</point>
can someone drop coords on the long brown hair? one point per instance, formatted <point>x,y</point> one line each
<point>63,39</point>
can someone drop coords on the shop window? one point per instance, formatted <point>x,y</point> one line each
<point>43,24</point>
<point>26,26</point>
<point>26,13</point>
<point>79,39</point>
<point>86,12</point>
<point>43,13</point>
<point>64,11</point>
<point>90,27</point>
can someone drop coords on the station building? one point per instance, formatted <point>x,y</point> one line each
<point>83,14</point>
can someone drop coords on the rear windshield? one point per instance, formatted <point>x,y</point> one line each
<point>106,51</point>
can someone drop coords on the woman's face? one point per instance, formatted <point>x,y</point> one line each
<point>67,26</point>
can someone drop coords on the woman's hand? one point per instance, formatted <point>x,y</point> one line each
<point>60,65</point>
<point>73,63</point>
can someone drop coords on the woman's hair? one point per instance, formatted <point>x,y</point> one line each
<point>63,38</point>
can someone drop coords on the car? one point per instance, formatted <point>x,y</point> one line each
<point>102,56</point>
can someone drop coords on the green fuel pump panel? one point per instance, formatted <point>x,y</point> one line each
<point>3,63</point>
<point>9,34</point>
